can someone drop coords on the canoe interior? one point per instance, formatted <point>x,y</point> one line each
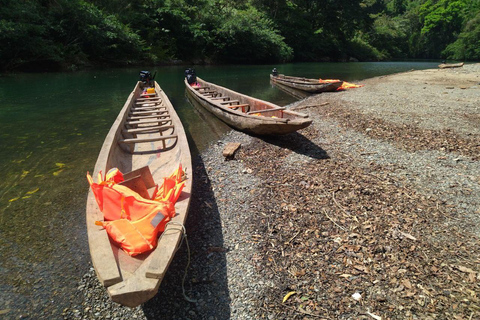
<point>246,113</point>
<point>147,132</point>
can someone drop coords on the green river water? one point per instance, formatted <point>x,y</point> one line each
<point>52,127</point>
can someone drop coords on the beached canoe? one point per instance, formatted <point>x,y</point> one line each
<point>299,94</point>
<point>450,65</point>
<point>305,84</point>
<point>246,113</point>
<point>146,142</point>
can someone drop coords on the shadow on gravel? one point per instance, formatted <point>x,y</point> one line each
<point>297,143</point>
<point>206,280</point>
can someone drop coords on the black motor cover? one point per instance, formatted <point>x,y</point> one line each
<point>190,75</point>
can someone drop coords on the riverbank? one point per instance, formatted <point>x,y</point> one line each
<point>372,211</point>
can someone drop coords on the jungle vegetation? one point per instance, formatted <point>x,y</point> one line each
<point>63,34</point>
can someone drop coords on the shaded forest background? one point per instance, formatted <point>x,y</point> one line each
<point>71,34</point>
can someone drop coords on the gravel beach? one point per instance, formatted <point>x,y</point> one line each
<point>372,212</point>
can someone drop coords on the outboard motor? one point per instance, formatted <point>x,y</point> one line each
<point>191,76</point>
<point>274,72</point>
<point>146,78</point>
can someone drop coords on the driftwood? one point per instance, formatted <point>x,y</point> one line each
<point>311,106</point>
<point>230,149</point>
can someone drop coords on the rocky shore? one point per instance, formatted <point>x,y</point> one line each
<point>372,212</point>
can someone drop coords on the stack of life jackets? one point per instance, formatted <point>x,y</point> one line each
<point>132,221</point>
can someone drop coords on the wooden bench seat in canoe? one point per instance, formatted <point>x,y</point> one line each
<point>148,103</point>
<point>266,110</point>
<point>147,95</point>
<point>149,139</point>
<point>220,98</point>
<point>148,99</point>
<point>147,108</point>
<point>230,101</point>
<point>198,88</point>
<point>161,114</point>
<point>148,129</point>
<point>136,123</point>
<point>243,106</point>
<point>147,112</point>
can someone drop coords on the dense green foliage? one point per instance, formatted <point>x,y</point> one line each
<point>73,33</point>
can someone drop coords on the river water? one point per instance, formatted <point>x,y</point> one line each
<point>52,127</point>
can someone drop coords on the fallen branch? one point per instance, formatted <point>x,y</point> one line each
<point>333,196</point>
<point>311,106</point>
<point>326,214</point>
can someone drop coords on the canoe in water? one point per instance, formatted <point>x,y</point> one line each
<point>146,139</point>
<point>305,84</point>
<point>450,65</point>
<point>246,113</point>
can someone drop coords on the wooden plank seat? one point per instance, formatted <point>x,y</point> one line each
<point>147,108</point>
<point>243,106</point>
<point>148,129</point>
<point>230,101</point>
<point>147,95</point>
<point>210,96</point>
<point>148,117</point>
<point>266,110</point>
<point>149,99</point>
<point>136,123</point>
<point>220,98</point>
<point>149,139</point>
<point>146,112</point>
<point>207,92</point>
<point>148,103</point>
<point>198,88</point>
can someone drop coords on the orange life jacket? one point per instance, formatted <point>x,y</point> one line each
<point>135,222</point>
<point>120,202</point>
<point>136,237</point>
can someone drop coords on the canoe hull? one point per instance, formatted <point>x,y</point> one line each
<point>132,281</point>
<point>276,122</point>
<point>304,84</point>
<point>451,65</point>
<point>299,94</point>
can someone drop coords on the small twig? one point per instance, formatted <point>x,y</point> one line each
<point>326,214</point>
<point>308,313</point>
<point>214,272</point>
<point>333,196</point>
<point>292,237</point>
<point>311,106</point>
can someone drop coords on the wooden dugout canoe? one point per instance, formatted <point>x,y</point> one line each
<point>450,65</point>
<point>299,94</point>
<point>147,132</point>
<point>305,84</point>
<point>246,113</point>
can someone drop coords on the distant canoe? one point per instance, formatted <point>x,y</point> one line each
<point>147,132</point>
<point>305,84</point>
<point>246,113</point>
<point>450,65</point>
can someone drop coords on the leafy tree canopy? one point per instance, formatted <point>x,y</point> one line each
<point>76,33</point>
